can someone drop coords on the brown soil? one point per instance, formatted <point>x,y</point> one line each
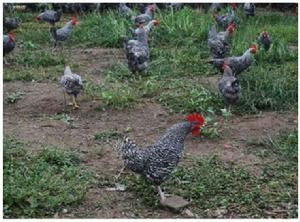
<point>31,119</point>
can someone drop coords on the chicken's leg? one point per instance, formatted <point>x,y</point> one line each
<point>75,105</point>
<point>119,174</point>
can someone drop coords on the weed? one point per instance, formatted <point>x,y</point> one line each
<point>108,135</point>
<point>40,185</point>
<point>14,97</point>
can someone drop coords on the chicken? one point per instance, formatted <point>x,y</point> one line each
<point>147,16</point>
<point>264,40</point>
<point>216,7</point>
<point>218,43</point>
<point>8,44</point>
<point>157,161</point>
<point>63,33</point>
<point>49,16</point>
<point>137,49</point>
<point>10,24</point>
<point>249,9</point>
<point>229,86</point>
<point>124,10</point>
<point>72,85</point>
<point>237,63</point>
<point>175,6</point>
<point>225,20</point>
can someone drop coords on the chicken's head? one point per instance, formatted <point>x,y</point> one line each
<point>233,6</point>
<point>231,27</point>
<point>196,121</point>
<point>265,34</point>
<point>152,7</point>
<point>253,48</point>
<point>11,36</point>
<point>74,20</point>
<point>37,19</point>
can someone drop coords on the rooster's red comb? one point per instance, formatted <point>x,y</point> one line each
<point>233,6</point>
<point>253,46</point>
<point>195,117</point>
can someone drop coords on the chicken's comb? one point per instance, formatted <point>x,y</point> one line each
<point>195,117</point>
<point>233,6</point>
<point>74,18</point>
<point>253,46</point>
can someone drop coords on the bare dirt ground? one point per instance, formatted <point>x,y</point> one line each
<point>32,119</point>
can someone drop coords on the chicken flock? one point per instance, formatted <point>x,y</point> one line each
<point>157,161</point>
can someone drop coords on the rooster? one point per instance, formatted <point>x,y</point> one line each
<point>237,63</point>
<point>63,33</point>
<point>147,16</point>
<point>49,16</point>
<point>8,44</point>
<point>218,43</point>
<point>124,10</point>
<point>10,23</point>
<point>137,49</point>
<point>229,86</point>
<point>225,20</point>
<point>249,9</point>
<point>157,161</point>
<point>72,85</point>
<point>264,40</point>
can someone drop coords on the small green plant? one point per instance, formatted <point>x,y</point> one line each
<point>108,135</point>
<point>65,118</point>
<point>40,185</point>
<point>14,97</point>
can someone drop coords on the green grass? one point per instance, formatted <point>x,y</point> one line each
<point>178,53</point>
<point>211,184</point>
<point>41,185</point>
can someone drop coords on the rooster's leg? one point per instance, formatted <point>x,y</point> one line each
<point>161,194</point>
<point>65,101</point>
<point>119,174</point>
<point>76,106</point>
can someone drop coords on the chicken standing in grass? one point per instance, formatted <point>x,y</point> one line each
<point>49,16</point>
<point>225,20</point>
<point>63,33</point>
<point>10,24</point>
<point>237,63</point>
<point>264,40</point>
<point>249,9</point>
<point>137,49</point>
<point>218,43</point>
<point>229,87</point>
<point>124,10</point>
<point>146,17</point>
<point>72,85</point>
<point>157,161</point>
<point>8,44</point>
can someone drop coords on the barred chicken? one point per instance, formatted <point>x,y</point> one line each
<point>157,161</point>
<point>229,87</point>
<point>218,43</point>
<point>225,20</point>
<point>237,63</point>
<point>264,40</point>
<point>10,24</point>
<point>49,16</point>
<point>137,49</point>
<point>8,44</point>
<point>63,33</point>
<point>249,9</point>
<point>147,16</point>
<point>72,85</point>
<point>124,10</point>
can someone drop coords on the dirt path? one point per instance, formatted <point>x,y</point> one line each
<point>32,119</point>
